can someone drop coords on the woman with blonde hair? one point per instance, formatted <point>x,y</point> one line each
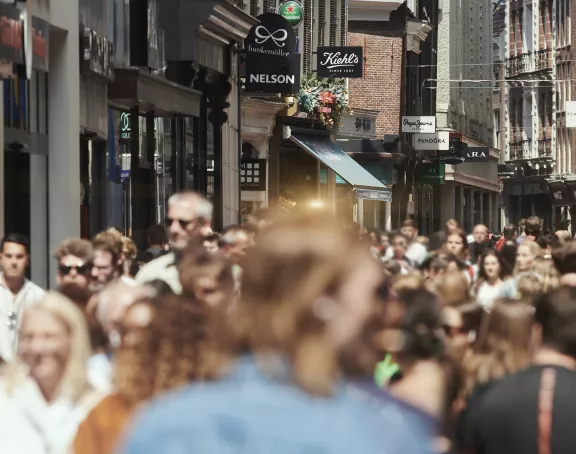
<point>526,255</point>
<point>502,347</point>
<point>46,394</point>
<point>308,289</point>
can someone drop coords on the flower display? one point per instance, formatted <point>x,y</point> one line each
<point>323,99</point>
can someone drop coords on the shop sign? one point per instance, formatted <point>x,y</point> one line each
<point>571,186</point>
<point>418,124</point>
<point>125,131</point>
<point>11,34</point>
<point>339,62</point>
<point>272,65</point>
<point>437,141</point>
<point>432,173</point>
<point>40,44</point>
<point>455,154</point>
<point>477,154</point>
<point>506,170</point>
<point>570,109</point>
<point>358,126</point>
<point>253,175</point>
<point>97,54</point>
<point>559,193</point>
<point>372,194</point>
<point>292,11</point>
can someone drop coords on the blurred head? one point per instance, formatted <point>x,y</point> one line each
<point>480,233</point>
<point>156,235</point>
<point>107,263</point>
<point>508,253</point>
<point>54,345</point>
<point>308,288</point>
<point>164,345</point>
<point>409,229</point>
<point>452,225</point>
<point>564,257</point>
<point>526,255</point>
<point>533,226</point>
<point>457,244</point>
<point>74,257</point>
<point>461,324</point>
<point>385,240</point>
<point>399,244</point>
<point>510,232</point>
<point>555,321</point>
<point>234,243</point>
<point>503,343</point>
<point>452,288</point>
<point>189,214</point>
<point>14,256</point>
<point>212,243</point>
<point>207,278</point>
<point>492,266</point>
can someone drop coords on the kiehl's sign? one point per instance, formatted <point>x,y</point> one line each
<point>340,62</point>
<point>272,65</point>
<point>422,125</point>
<point>438,141</point>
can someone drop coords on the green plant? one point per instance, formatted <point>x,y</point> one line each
<point>324,99</point>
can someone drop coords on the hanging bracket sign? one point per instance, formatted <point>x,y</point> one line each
<point>292,11</point>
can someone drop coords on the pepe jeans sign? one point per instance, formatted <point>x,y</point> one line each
<point>422,125</point>
<point>438,141</point>
<point>340,62</point>
<point>272,65</point>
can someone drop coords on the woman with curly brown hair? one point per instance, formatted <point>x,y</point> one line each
<point>163,347</point>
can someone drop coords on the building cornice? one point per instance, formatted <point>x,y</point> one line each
<point>257,107</point>
<point>416,33</point>
<point>227,24</point>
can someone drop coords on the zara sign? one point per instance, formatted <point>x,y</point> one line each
<point>340,62</point>
<point>272,65</point>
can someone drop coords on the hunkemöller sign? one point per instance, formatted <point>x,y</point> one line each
<point>417,124</point>
<point>340,62</point>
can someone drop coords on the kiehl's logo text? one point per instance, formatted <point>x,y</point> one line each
<point>339,60</point>
<point>11,32</point>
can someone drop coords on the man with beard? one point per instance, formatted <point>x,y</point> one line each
<point>107,263</point>
<point>189,217</point>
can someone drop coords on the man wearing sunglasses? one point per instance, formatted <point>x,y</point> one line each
<point>189,215</point>
<point>74,257</point>
<point>16,292</point>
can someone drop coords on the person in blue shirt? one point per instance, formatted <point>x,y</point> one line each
<point>307,292</point>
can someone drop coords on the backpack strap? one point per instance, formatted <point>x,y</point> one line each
<point>545,406</point>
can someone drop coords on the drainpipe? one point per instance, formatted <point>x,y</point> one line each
<point>239,51</point>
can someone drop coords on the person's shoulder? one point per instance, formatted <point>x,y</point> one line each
<point>35,289</point>
<point>160,262</point>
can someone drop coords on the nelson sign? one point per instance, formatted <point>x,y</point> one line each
<point>272,64</point>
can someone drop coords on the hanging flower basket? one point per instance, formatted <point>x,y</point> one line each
<point>323,99</point>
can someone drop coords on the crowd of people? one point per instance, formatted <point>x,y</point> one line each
<point>294,333</point>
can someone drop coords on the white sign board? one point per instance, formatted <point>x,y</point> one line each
<point>422,125</point>
<point>358,126</point>
<point>439,141</point>
<point>570,114</point>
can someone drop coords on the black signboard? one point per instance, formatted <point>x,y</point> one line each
<point>506,170</point>
<point>272,65</point>
<point>11,34</point>
<point>340,62</point>
<point>253,175</point>
<point>477,154</point>
<point>559,193</point>
<point>455,154</point>
<point>571,187</point>
<point>96,54</point>
<point>40,44</point>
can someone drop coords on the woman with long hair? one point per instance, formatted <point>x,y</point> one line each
<point>164,346</point>
<point>492,283</point>
<point>526,255</point>
<point>46,393</point>
<point>307,291</point>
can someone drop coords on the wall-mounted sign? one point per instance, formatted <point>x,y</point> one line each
<point>437,141</point>
<point>125,130</point>
<point>40,44</point>
<point>570,109</point>
<point>571,186</point>
<point>96,54</point>
<point>253,175</point>
<point>358,126</point>
<point>422,125</point>
<point>373,194</point>
<point>477,154</point>
<point>11,34</point>
<point>506,170</point>
<point>559,193</point>
<point>292,11</point>
<point>455,154</point>
<point>340,62</point>
<point>432,173</point>
<point>272,65</point>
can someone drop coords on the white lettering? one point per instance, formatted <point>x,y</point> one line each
<point>337,60</point>
<point>272,79</point>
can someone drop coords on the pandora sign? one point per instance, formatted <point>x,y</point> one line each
<point>340,62</point>
<point>439,141</point>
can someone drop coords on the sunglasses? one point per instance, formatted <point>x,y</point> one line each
<point>81,268</point>
<point>182,223</point>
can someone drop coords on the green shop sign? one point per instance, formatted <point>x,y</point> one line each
<point>432,173</point>
<point>291,10</point>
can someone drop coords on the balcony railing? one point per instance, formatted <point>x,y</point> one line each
<point>521,150</point>
<point>544,59</point>
<point>545,148</point>
<point>520,64</point>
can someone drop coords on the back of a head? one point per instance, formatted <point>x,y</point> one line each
<point>533,226</point>
<point>453,288</point>
<point>509,231</point>
<point>564,257</point>
<point>556,315</point>
<point>156,234</point>
<point>116,298</point>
